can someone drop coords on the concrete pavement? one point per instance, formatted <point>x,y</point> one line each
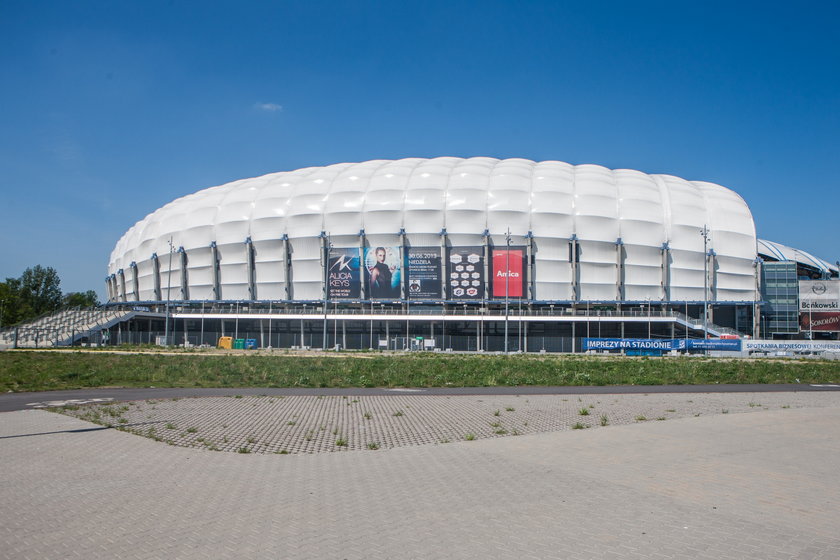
<point>758,485</point>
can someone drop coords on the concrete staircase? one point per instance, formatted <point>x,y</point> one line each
<point>62,328</point>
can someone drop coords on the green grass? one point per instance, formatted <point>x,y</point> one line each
<point>69,369</point>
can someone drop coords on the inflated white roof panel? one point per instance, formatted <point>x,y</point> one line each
<point>615,215</point>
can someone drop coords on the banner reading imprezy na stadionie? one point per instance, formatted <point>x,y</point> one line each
<point>663,344</point>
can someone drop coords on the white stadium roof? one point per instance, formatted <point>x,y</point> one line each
<point>780,252</point>
<point>547,203</point>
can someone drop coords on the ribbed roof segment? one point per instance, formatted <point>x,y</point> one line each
<point>468,196</point>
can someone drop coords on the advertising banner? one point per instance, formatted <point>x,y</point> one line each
<point>423,273</point>
<point>819,295</point>
<point>343,280</point>
<point>627,344</point>
<point>822,321</point>
<point>383,272</point>
<point>791,346</point>
<point>508,273</point>
<point>719,344</point>
<point>466,273</point>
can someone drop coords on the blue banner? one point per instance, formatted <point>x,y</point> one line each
<point>724,344</point>
<point>627,344</point>
<point>665,344</point>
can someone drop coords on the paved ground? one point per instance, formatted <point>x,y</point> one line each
<point>316,424</point>
<point>44,399</point>
<point>758,485</point>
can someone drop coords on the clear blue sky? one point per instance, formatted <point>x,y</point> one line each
<point>109,110</point>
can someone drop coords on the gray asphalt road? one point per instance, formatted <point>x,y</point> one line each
<point>24,401</point>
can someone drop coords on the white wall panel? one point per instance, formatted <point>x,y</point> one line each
<point>307,273</point>
<point>270,269</point>
<point>200,273</point>
<point>553,276</point>
<point>146,278</point>
<point>170,277</point>
<point>233,266</point>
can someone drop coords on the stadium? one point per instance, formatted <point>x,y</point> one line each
<point>462,254</point>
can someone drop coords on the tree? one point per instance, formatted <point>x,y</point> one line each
<point>80,299</point>
<point>39,290</point>
<point>36,293</point>
<point>9,302</point>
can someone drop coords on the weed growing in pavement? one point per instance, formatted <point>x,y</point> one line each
<point>291,423</point>
<point>469,437</point>
<point>192,430</point>
<point>785,406</point>
<point>237,396</point>
<point>251,439</point>
<point>604,420</point>
<point>509,408</point>
<point>373,446</point>
<point>660,418</point>
<point>583,412</point>
<point>497,413</point>
<point>368,415</point>
<point>123,420</point>
<point>170,426</point>
<point>495,424</point>
<point>501,431</point>
<point>725,411</point>
<point>579,426</point>
<point>398,413</point>
<point>696,415</point>
<point>341,442</point>
<point>243,450</point>
<point>671,410</point>
<point>641,418</point>
<point>753,405</point>
<point>281,452</point>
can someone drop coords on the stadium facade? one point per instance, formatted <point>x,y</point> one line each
<point>469,254</point>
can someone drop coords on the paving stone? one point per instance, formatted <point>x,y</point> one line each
<point>757,485</point>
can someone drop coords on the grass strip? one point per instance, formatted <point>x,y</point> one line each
<point>50,370</point>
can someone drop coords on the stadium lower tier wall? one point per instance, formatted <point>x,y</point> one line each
<point>397,333</point>
<point>434,267</point>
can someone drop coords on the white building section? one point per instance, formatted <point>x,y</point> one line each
<point>591,233</point>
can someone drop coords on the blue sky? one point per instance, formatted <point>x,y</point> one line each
<point>109,110</point>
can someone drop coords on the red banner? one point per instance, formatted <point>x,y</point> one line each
<point>822,321</point>
<point>507,273</point>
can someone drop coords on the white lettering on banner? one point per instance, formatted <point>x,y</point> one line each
<point>501,274</point>
<point>790,346</point>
